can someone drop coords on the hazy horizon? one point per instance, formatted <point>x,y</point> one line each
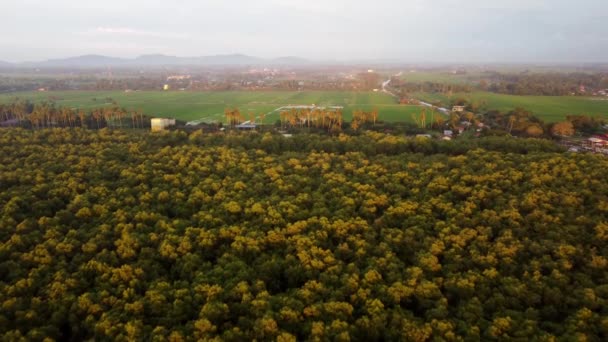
<point>436,31</point>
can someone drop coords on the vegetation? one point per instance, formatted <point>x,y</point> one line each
<point>586,124</point>
<point>548,84</point>
<point>563,129</point>
<point>547,108</point>
<point>512,82</point>
<point>519,122</point>
<point>113,235</point>
<point>325,119</point>
<point>23,113</point>
<point>516,122</point>
<point>440,76</point>
<point>210,106</point>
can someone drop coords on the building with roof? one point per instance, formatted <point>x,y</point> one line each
<point>247,125</point>
<point>160,124</point>
<point>598,144</point>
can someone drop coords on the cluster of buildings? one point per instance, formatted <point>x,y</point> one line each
<point>603,92</point>
<point>597,144</point>
<point>178,77</point>
<point>583,90</point>
<point>594,144</point>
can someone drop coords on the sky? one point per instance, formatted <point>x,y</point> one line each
<point>553,31</point>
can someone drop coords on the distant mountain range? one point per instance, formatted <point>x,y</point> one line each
<point>97,61</point>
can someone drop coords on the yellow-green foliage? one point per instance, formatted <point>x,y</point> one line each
<point>110,235</point>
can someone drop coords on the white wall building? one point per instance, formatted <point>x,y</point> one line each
<point>160,124</point>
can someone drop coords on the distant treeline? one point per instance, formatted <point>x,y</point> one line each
<point>541,84</point>
<point>548,84</point>
<point>199,82</point>
<point>402,87</point>
<point>520,83</point>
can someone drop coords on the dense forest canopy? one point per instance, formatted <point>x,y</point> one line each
<point>115,235</point>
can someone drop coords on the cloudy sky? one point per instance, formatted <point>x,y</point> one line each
<point>407,30</point>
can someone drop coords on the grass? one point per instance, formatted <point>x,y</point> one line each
<point>209,106</point>
<point>548,108</point>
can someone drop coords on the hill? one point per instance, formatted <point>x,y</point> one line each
<point>86,61</point>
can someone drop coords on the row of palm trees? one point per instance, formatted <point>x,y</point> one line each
<point>360,117</point>
<point>235,117</point>
<point>330,118</point>
<point>323,118</point>
<point>47,114</point>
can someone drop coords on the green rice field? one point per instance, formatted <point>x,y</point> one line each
<point>210,106</point>
<point>548,108</point>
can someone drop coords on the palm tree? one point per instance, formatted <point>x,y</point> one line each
<point>81,114</point>
<point>375,115</point>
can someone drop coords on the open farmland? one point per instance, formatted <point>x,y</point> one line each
<point>209,106</point>
<point>548,108</point>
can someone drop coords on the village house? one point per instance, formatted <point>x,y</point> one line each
<point>160,124</point>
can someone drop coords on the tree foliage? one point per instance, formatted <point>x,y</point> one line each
<point>113,235</point>
<point>23,113</point>
<point>563,129</point>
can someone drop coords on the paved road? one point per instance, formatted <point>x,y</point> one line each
<point>386,83</point>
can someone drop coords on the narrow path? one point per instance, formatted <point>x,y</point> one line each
<point>386,83</point>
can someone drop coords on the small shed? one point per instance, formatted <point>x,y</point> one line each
<point>246,126</point>
<point>160,124</point>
